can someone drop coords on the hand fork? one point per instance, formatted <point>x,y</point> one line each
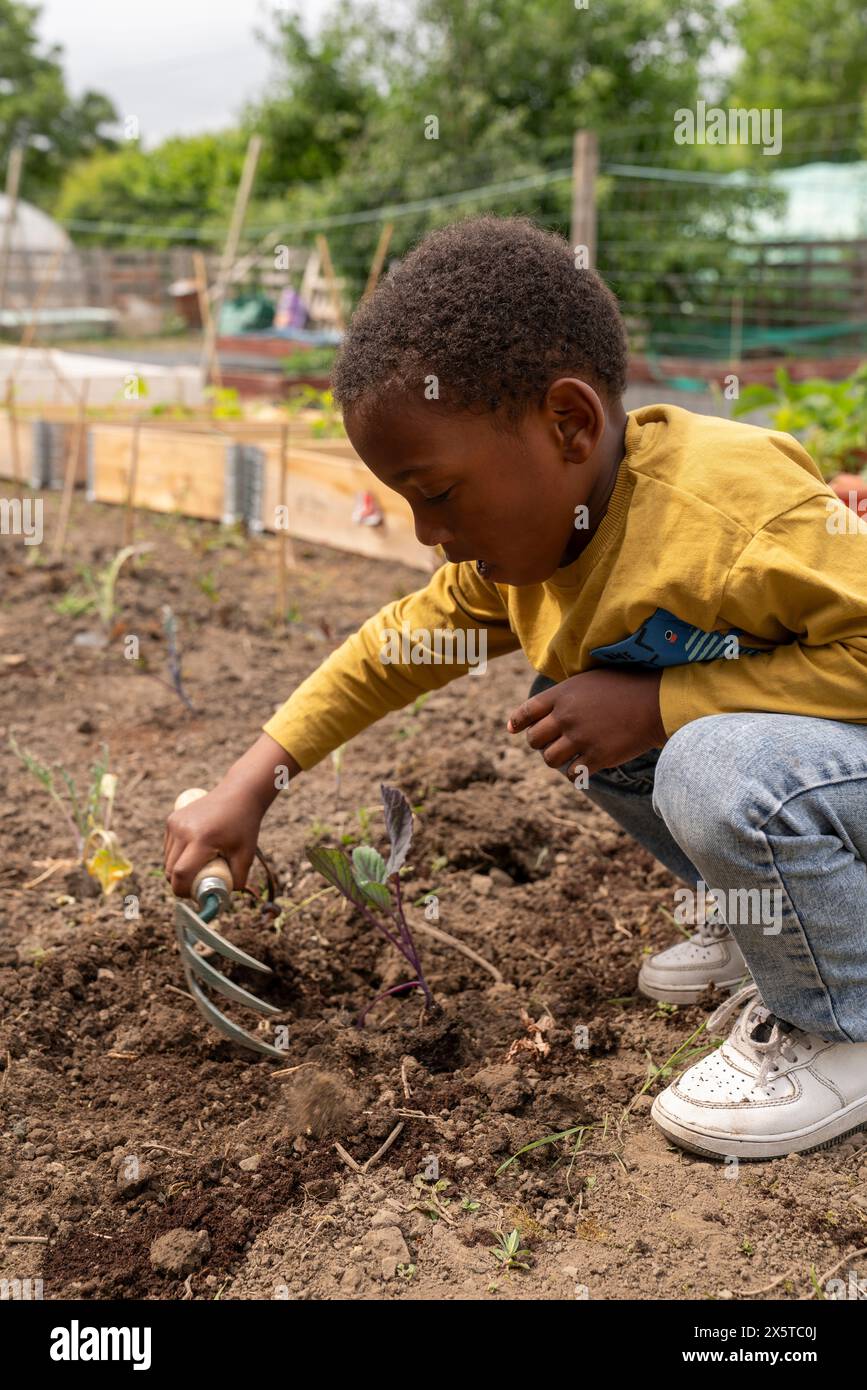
<point>211,890</point>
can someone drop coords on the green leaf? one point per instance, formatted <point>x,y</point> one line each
<point>377,893</point>
<point>336,868</point>
<point>398,823</point>
<point>368,864</point>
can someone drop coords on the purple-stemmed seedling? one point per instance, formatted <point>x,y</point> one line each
<point>371,882</point>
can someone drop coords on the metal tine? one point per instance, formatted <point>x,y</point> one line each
<point>206,972</point>
<point>187,918</point>
<point>225,1025</point>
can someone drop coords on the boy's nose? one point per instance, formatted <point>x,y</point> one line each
<point>430,533</point>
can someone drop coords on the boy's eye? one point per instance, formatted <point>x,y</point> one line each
<point>440,497</point>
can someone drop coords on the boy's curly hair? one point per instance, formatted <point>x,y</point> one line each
<point>493,308</point>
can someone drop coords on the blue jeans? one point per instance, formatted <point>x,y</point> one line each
<point>775,803</point>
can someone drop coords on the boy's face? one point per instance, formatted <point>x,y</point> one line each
<point>487,492</point>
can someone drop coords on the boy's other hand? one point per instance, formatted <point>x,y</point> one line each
<point>597,719</point>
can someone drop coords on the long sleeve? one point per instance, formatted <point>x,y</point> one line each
<point>800,583</point>
<point>457,615</point>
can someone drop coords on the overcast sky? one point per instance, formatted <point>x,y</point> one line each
<point>180,66</point>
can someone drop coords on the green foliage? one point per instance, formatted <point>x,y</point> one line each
<point>225,402</point>
<point>330,425</point>
<point>99,589</point>
<point>88,818</point>
<point>186,182</point>
<point>786,46</point>
<point>37,111</point>
<point>372,884</point>
<point>314,361</point>
<point>508,1252</point>
<point>830,417</point>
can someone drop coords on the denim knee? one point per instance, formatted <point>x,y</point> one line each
<point>700,788</point>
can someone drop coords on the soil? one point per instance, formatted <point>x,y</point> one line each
<point>142,1156</point>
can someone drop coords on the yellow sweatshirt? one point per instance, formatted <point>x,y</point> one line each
<point>722,557</point>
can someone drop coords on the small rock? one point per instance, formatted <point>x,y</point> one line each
<point>464,1161</point>
<point>481,884</point>
<point>504,1085</point>
<point>388,1244</point>
<point>642,1103</point>
<point>249,1165</point>
<point>133,1175</point>
<point>103,973</point>
<point>382,1219</point>
<point>27,1151</point>
<point>501,878</point>
<point>180,1252</point>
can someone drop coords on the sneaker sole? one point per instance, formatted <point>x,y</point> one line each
<point>823,1135</point>
<point>687,994</point>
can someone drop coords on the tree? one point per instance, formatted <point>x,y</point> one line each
<point>36,110</point>
<point>809,64</point>
<point>186,182</point>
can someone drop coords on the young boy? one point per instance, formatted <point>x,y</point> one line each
<point>694,600</point>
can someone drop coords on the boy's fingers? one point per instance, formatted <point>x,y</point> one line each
<point>529,712</point>
<point>545,732</point>
<point>562,750</point>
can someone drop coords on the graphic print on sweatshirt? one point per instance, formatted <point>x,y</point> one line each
<point>664,640</point>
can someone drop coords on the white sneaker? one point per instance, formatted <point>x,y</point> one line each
<point>769,1090</point>
<point>682,973</point>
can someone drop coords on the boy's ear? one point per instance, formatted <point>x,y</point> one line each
<point>578,415</point>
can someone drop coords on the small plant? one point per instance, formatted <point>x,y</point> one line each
<point>208,585</point>
<point>330,423</point>
<point>173,654</point>
<point>829,416</point>
<point>225,402</point>
<point>88,818</point>
<point>508,1252</point>
<point>99,592</point>
<point>314,361</point>
<point>372,884</point>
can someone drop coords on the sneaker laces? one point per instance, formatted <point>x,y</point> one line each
<point>709,932</point>
<point>767,1039</point>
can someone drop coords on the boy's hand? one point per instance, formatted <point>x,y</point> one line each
<point>598,719</point>
<point>226,821</point>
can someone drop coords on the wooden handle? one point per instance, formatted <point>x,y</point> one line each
<point>217,868</point>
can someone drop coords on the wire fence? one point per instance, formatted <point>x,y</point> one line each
<point>716,253</point>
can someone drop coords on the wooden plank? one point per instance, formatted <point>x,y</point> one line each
<point>175,471</point>
<point>321,493</point>
<point>16,452</point>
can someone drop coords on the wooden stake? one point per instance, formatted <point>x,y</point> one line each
<point>378,259</point>
<point>285,548</point>
<point>13,431</point>
<point>230,250</point>
<point>585,166</point>
<point>13,178</point>
<point>210,366</point>
<point>331,279</point>
<point>129,509</point>
<point>73,459</point>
